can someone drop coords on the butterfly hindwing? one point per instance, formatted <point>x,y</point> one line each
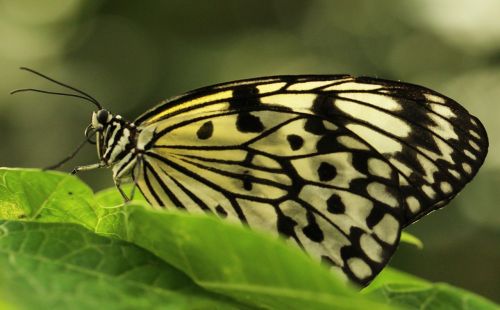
<point>339,205</point>
<point>338,164</point>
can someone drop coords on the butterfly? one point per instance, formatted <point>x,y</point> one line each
<point>335,163</point>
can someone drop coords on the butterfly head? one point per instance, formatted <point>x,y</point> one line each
<point>100,119</point>
<point>114,137</point>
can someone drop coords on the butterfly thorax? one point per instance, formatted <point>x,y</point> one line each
<point>116,142</point>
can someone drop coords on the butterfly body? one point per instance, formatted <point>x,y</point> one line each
<point>337,164</point>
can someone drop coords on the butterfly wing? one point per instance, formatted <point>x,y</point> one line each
<point>337,164</point>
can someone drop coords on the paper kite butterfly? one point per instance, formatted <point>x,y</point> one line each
<point>339,164</point>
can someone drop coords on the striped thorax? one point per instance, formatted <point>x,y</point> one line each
<point>116,143</point>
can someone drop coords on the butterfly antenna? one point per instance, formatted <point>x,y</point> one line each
<point>15,91</point>
<point>69,157</point>
<point>83,95</point>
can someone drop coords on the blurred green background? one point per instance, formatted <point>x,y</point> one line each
<point>132,54</point>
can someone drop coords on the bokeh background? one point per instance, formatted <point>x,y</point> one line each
<point>132,54</point>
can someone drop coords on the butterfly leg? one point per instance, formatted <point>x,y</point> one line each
<point>87,167</point>
<point>124,171</point>
<point>134,178</point>
<point>132,191</point>
<point>118,184</point>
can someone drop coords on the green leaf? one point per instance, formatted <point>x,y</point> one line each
<point>55,197</point>
<point>401,289</point>
<point>4,304</point>
<point>64,266</point>
<point>411,239</point>
<point>250,267</point>
<point>113,219</point>
<point>242,265</point>
<point>46,197</point>
<point>239,263</point>
<point>229,259</point>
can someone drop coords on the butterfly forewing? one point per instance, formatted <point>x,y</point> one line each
<point>338,164</point>
<point>434,143</point>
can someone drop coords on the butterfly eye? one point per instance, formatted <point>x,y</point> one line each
<point>102,116</point>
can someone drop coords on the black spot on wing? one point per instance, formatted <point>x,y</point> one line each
<point>323,106</point>
<point>315,126</point>
<point>312,230</point>
<point>221,211</point>
<point>328,144</point>
<point>335,205</point>
<point>285,224</point>
<point>244,98</point>
<point>295,141</point>
<point>326,172</point>
<point>247,182</point>
<point>376,215</point>
<point>205,131</point>
<point>247,122</point>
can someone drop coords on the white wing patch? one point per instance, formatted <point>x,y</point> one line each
<point>381,142</point>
